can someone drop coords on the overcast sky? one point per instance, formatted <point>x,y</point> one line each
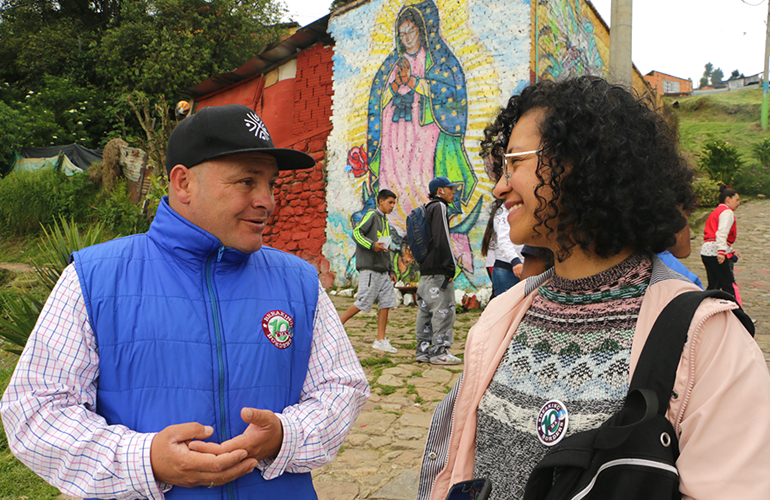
<point>677,37</point>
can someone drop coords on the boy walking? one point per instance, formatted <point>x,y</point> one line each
<point>436,290</point>
<point>375,267</point>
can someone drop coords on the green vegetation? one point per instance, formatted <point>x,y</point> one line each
<point>69,71</point>
<point>20,311</point>
<point>384,362</point>
<point>706,192</point>
<point>720,161</point>
<point>29,199</point>
<point>732,117</point>
<point>729,116</point>
<point>386,390</point>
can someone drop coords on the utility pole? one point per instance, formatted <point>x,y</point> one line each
<point>621,71</point>
<point>765,83</point>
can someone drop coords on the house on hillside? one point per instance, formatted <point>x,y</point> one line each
<point>668,85</point>
<point>743,81</point>
<point>326,90</point>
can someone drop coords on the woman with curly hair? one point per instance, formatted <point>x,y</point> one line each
<point>592,173</point>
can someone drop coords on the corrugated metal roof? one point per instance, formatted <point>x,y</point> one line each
<point>268,60</point>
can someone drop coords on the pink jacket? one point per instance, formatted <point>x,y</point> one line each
<point>721,414</point>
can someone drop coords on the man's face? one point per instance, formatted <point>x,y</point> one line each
<point>447,193</point>
<point>387,205</point>
<point>232,198</point>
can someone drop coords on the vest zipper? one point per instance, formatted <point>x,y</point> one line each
<point>220,359</point>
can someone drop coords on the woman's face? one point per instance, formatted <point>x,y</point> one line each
<point>410,36</point>
<point>518,190</point>
<point>733,201</point>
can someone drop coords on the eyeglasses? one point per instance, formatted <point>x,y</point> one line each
<point>507,161</point>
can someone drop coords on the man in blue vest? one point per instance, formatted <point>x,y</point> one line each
<point>190,361</point>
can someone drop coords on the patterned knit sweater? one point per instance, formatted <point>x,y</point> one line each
<point>573,345</point>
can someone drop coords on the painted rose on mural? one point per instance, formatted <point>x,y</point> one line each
<point>416,123</point>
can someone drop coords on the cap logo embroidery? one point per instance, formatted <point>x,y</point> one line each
<point>254,124</point>
<point>278,328</point>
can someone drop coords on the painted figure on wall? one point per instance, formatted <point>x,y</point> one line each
<point>416,123</point>
<point>566,41</point>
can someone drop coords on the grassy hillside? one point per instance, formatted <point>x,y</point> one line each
<point>731,116</point>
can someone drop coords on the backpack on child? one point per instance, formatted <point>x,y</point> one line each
<point>632,456</point>
<point>418,233</point>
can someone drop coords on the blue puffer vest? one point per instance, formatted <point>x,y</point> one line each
<point>191,331</point>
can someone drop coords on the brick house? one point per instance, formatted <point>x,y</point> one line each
<point>665,84</point>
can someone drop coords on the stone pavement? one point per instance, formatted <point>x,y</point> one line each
<point>381,456</point>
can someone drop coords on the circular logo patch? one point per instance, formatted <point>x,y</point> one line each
<point>279,328</point>
<point>552,422</point>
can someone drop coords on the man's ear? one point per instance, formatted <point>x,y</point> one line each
<point>180,183</point>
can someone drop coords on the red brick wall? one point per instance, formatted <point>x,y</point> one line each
<point>299,221</point>
<point>313,89</point>
<point>656,82</point>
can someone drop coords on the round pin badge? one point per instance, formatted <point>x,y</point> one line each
<point>279,328</point>
<point>552,422</point>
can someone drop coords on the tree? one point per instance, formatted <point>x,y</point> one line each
<point>704,82</point>
<point>735,74</point>
<point>708,69</point>
<point>66,66</point>
<point>163,46</point>
<point>716,77</point>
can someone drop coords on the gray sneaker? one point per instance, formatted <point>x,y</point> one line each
<point>384,345</point>
<point>445,359</point>
<point>422,358</point>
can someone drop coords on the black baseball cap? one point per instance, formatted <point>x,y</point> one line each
<point>219,131</point>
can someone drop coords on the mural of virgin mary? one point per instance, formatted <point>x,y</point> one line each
<point>417,117</point>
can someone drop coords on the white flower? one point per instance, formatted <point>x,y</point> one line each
<point>80,123</point>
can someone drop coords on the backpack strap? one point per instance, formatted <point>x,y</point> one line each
<point>656,368</point>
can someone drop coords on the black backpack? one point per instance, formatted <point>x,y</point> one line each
<point>632,456</point>
<point>418,233</point>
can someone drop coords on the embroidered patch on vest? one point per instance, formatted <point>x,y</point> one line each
<point>552,422</point>
<point>279,328</point>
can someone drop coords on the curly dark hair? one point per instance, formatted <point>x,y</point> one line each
<point>610,161</point>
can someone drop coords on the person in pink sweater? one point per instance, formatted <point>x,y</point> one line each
<point>592,173</point>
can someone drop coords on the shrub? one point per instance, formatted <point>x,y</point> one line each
<point>753,179</point>
<point>760,151</point>
<point>29,199</point>
<point>720,161</point>
<point>20,311</point>
<point>706,191</point>
<point>119,214</point>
